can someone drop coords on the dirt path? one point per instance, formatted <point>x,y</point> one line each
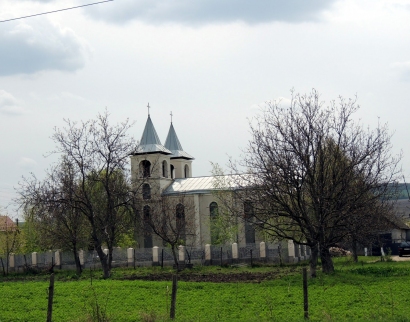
<point>400,259</point>
<point>213,277</point>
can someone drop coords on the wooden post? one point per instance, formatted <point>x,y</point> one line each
<point>305,294</point>
<point>50,298</point>
<point>173,295</point>
<point>91,276</point>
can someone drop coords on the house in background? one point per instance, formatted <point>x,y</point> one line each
<point>400,231</point>
<point>6,224</point>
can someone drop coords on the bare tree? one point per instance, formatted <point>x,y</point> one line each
<point>60,225</point>
<point>172,219</point>
<point>99,184</point>
<point>311,168</point>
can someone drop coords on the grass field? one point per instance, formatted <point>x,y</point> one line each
<point>368,291</point>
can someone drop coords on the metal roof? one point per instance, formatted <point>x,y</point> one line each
<point>172,143</point>
<point>150,142</point>
<point>201,184</point>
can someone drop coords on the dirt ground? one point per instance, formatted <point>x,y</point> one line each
<point>211,277</point>
<point>400,259</point>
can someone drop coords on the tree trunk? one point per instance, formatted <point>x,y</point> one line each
<point>78,267</point>
<point>313,260</point>
<point>104,262</point>
<point>174,255</point>
<point>354,250</point>
<point>326,259</point>
<point>110,257</point>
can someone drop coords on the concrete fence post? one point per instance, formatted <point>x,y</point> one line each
<point>208,257</point>
<point>57,261</point>
<point>155,256</point>
<point>262,251</point>
<point>130,256</point>
<point>81,257</point>
<point>181,254</point>
<point>12,264</point>
<point>235,252</point>
<point>34,258</point>
<point>291,251</point>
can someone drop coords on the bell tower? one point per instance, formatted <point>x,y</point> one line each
<point>181,162</point>
<point>151,160</point>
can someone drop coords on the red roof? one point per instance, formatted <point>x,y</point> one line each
<point>6,224</point>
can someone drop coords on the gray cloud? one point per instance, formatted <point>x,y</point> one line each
<point>29,48</point>
<point>403,70</point>
<point>9,105</point>
<point>208,11</point>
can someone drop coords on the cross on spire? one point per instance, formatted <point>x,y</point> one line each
<point>148,108</point>
<point>171,116</point>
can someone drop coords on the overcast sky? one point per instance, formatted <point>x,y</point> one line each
<point>211,63</point>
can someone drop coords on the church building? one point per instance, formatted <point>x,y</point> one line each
<point>167,170</point>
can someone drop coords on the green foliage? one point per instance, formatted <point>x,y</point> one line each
<point>126,240</point>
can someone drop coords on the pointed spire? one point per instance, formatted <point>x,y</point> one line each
<point>172,143</point>
<point>150,142</point>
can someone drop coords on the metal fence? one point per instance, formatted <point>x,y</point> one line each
<point>219,255</point>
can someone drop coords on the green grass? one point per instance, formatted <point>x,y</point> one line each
<point>355,292</point>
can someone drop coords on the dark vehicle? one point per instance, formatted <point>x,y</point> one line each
<point>404,248</point>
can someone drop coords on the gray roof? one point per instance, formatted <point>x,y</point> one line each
<point>172,143</point>
<point>201,184</point>
<point>150,142</point>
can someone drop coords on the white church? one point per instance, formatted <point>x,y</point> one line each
<point>167,170</point>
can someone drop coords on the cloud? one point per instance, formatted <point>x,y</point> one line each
<point>403,70</point>
<point>210,11</point>
<point>9,105</point>
<point>27,163</point>
<point>29,48</point>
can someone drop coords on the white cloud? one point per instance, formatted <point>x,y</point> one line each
<point>27,163</point>
<point>209,11</point>
<point>9,105</point>
<point>29,48</point>
<point>403,70</point>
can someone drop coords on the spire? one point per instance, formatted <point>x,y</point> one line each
<point>172,143</point>
<point>150,142</point>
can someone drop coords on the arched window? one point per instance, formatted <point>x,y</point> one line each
<point>147,227</point>
<point>145,168</point>
<point>249,214</point>
<point>180,222</point>
<point>214,227</point>
<point>172,172</point>
<point>146,191</point>
<point>186,171</point>
<point>165,169</point>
